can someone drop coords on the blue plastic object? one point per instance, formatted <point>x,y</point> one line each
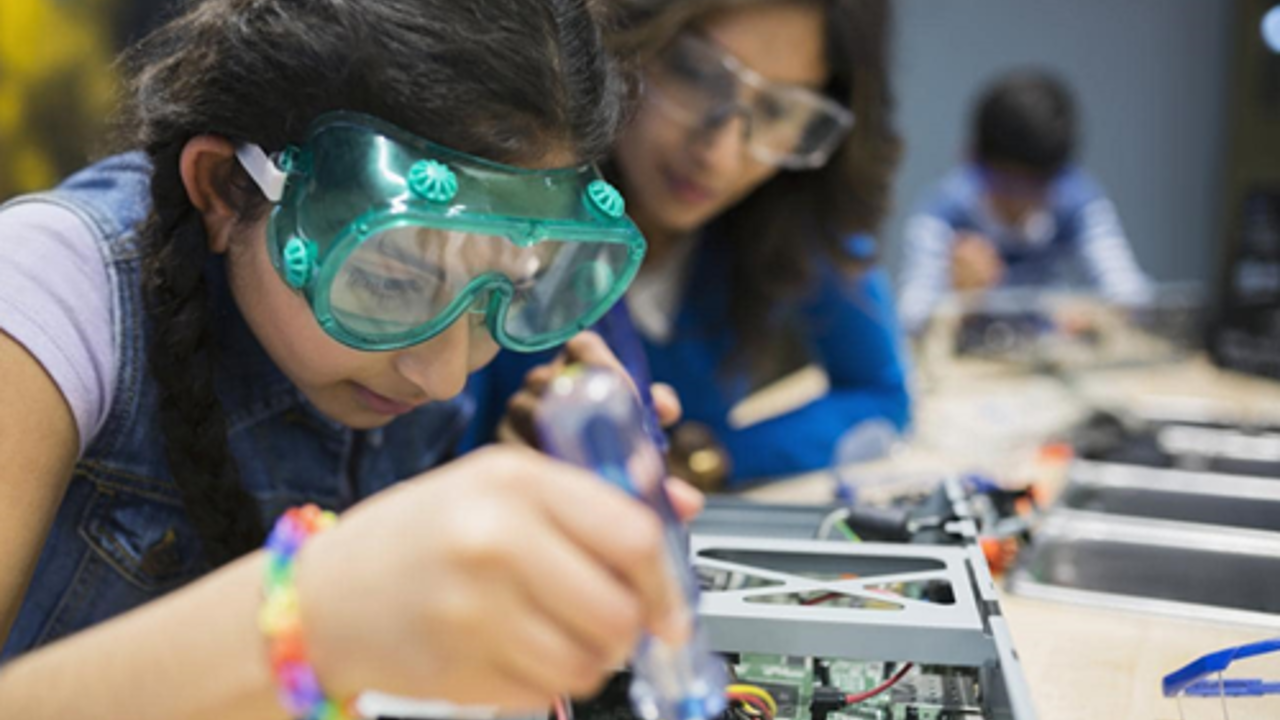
<point>868,441</point>
<point>980,484</point>
<point>590,417</point>
<point>620,334</point>
<point>860,247</point>
<point>1190,679</point>
<point>846,494</point>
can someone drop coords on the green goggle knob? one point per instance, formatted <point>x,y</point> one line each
<point>607,199</point>
<point>288,159</point>
<point>433,180</point>
<point>299,261</point>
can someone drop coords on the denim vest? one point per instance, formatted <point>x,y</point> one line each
<point>121,537</point>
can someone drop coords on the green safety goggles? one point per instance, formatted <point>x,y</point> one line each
<point>392,238</point>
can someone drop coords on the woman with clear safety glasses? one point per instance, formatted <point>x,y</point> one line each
<point>758,167</point>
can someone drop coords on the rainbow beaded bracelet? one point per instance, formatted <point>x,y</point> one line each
<point>281,624</point>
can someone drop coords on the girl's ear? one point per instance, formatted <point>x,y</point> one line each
<point>205,166</point>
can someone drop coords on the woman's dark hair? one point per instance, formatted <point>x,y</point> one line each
<point>1026,118</point>
<point>780,233</point>
<point>508,80</point>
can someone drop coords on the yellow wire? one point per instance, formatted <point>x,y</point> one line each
<point>757,692</point>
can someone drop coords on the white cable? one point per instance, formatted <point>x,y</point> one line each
<point>829,522</point>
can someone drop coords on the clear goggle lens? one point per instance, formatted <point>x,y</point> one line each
<point>412,278</point>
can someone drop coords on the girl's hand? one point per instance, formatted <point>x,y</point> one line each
<point>504,579</point>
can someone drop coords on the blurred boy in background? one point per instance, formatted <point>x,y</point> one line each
<point>1020,214</point>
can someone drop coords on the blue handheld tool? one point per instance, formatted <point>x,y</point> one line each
<point>591,418</point>
<point>620,334</point>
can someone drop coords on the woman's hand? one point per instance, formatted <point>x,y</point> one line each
<point>505,579</point>
<point>586,349</point>
<point>519,426</point>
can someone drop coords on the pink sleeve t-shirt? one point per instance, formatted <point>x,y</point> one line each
<point>56,301</point>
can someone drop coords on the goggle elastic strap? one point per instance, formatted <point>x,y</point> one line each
<point>266,175</point>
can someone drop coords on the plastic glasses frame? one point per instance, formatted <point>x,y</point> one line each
<point>843,118</point>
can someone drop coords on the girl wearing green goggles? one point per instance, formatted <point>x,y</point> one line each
<point>339,209</point>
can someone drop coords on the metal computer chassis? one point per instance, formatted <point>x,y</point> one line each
<point>970,631</point>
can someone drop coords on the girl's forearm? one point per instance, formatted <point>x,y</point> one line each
<point>196,653</point>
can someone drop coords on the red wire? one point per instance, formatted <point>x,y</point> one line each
<point>818,600</point>
<point>753,701</point>
<point>863,696</point>
<point>821,599</point>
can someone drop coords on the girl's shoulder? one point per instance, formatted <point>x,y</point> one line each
<point>56,300</point>
<point>113,196</point>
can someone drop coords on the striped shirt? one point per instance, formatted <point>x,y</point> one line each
<point>1075,241</point>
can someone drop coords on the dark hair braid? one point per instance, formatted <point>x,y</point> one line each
<point>181,354</point>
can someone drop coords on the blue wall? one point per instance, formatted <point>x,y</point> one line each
<point>1152,77</point>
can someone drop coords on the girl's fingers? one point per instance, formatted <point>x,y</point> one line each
<point>582,596</point>
<point>539,655</point>
<point>625,536</point>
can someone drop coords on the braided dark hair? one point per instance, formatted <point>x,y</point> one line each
<point>503,79</point>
